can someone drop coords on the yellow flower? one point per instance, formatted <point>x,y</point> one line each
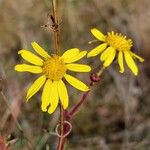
<point>53,69</point>
<point>115,44</point>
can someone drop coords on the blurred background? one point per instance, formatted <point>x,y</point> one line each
<point>116,115</point>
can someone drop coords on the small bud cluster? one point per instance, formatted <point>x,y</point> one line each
<point>94,77</point>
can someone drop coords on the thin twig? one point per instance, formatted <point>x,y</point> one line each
<point>56,27</point>
<point>16,121</point>
<point>8,106</point>
<point>61,137</point>
<point>76,107</point>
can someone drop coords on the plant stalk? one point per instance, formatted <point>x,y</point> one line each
<point>56,27</point>
<point>56,31</point>
<point>69,114</point>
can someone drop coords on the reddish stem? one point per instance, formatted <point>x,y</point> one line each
<point>70,114</point>
<point>76,107</point>
<point>95,77</point>
<point>60,146</point>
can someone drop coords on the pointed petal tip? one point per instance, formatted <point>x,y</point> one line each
<point>43,109</point>
<point>137,57</point>
<point>76,83</point>
<point>27,99</point>
<point>64,107</point>
<point>27,68</point>
<point>87,89</point>
<point>98,34</point>
<point>20,51</point>
<point>90,68</point>
<point>35,87</point>
<point>88,55</point>
<point>50,111</point>
<point>33,42</point>
<point>130,62</point>
<point>135,73</point>
<point>93,29</point>
<point>104,65</point>
<point>15,68</point>
<point>85,52</point>
<point>141,60</point>
<point>121,71</point>
<point>97,50</point>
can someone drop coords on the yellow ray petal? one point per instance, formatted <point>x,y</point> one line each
<point>120,61</point>
<point>97,50</point>
<point>78,67</point>
<point>76,83</point>
<point>130,62</point>
<point>53,97</point>
<point>70,53</point>
<point>35,87</point>
<point>63,94</point>
<point>99,35</point>
<point>40,50</point>
<point>110,58</point>
<point>76,57</point>
<point>106,53</point>
<point>30,57</point>
<point>136,56</point>
<point>28,68</point>
<point>46,95</point>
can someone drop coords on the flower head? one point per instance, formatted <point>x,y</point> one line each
<point>53,69</point>
<point>115,44</point>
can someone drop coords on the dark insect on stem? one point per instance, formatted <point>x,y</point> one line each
<point>51,24</point>
<point>52,18</point>
<point>54,26</point>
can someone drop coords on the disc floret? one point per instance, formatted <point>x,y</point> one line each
<point>118,41</point>
<point>54,68</point>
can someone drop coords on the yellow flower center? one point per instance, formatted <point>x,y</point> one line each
<point>118,41</point>
<point>54,68</point>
